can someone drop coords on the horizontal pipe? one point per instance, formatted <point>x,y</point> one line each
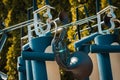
<point>30,8</point>
<point>104,48</point>
<point>79,22</point>
<point>43,8</point>
<point>94,26</point>
<point>106,9</point>
<point>85,40</point>
<point>17,26</point>
<point>27,55</point>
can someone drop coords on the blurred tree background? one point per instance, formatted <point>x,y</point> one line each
<point>15,11</point>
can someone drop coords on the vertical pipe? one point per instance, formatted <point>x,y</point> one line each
<point>97,6</point>
<point>46,2</point>
<point>22,31</point>
<point>110,2</point>
<point>38,67</point>
<point>28,13</point>
<point>78,26</point>
<point>39,70</point>
<point>99,23</point>
<point>29,73</point>
<point>87,15</point>
<point>98,15</point>
<point>104,65</point>
<point>39,44</point>
<point>34,5</point>
<point>21,68</point>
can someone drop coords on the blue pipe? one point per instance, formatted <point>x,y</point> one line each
<point>29,55</point>
<point>104,65</point>
<point>104,48</point>
<point>29,73</point>
<point>39,44</point>
<point>21,69</point>
<point>80,44</point>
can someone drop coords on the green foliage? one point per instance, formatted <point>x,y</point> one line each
<point>12,12</point>
<point>12,55</point>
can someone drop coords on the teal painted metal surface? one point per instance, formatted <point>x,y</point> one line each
<point>39,70</point>
<point>38,67</point>
<point>21,69</point>
<point>29,73</point>
<point>39,44</point>
<point>104,65</point>
<point>26,47</point>
<point>35,57</point>
<point>29,55</point>
<point>79,44</point>
<point>104,48</point>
